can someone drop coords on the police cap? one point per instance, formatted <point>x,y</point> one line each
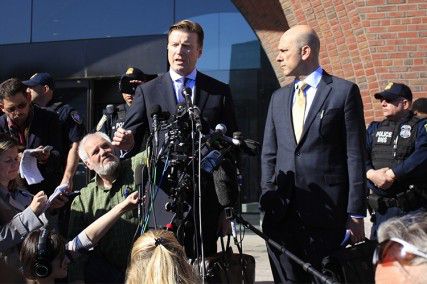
<point>394,91</point>
<point>40,79</point>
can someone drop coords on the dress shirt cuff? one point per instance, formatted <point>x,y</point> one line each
<point>356,216</point>
<point>80,243</point>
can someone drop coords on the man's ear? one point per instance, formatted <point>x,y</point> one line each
<point>2,105</point>
<point>305,52</point>
<point>200,52</point>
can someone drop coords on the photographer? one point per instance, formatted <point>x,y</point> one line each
<point>127,85</point>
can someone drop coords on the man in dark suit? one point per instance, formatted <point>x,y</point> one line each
<point>212,97</point>
<point>313,173</point>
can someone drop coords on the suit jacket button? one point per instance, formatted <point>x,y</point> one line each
<point>298,154</point>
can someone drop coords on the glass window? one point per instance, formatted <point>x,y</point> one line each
<point>224,28</point>
<point>82,19</point>
<point>15,21</point>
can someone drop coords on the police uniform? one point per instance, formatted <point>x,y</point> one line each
<point>401,146</point>
<point>115,120</point>
<point>74,129</point>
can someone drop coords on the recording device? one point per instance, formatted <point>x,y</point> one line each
<point>108,112</point>
<point>139,185</point>
<point>42,267</point>
<point>72,194</point>
<point>125,86</point>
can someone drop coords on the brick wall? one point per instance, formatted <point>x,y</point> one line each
<point>369,42</point>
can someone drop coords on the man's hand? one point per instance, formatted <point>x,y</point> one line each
<point>380,178</point>
<point>68,182</point>
<point>131,201</point>
<point>357,229</point>
<point>123,139</point>
<point>42,154</point>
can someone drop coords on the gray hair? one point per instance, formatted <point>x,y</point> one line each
<point>411,228</point>
<point>82,152</point>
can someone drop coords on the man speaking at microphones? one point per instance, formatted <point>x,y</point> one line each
<point>212,97</point>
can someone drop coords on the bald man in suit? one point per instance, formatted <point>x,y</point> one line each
<point>313,173</point>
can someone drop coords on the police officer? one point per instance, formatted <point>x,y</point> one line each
<point>114,117</point>
<point>419,107</point>
<point>41,87</point>
<point>397,158</point>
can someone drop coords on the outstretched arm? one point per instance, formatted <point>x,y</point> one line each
<point>95,231</point>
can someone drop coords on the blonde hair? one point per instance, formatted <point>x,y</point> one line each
<point>157,257</point>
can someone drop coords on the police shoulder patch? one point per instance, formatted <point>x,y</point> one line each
<point>76,117</point>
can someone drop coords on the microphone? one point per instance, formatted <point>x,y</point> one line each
<point>225,181</point>
<point>109,110</point>
<point>226,188</point>
<point>248,146</point>
<point>186,92</point>
<point>193,110</point>
<point>219,133</point>
<point>155,111</point>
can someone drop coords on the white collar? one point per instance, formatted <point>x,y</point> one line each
<point>175,76</point>
<point>313,79</point>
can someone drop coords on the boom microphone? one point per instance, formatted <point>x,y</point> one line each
<point>109,110</point>
<point>225,181</point>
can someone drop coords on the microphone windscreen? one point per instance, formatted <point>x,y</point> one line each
<point>109,109</point>
<point>225,181</point>
<point>155,109</point>
<point>187,91</point>
<point>221,128</point>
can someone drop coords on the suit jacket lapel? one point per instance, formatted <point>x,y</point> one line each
<point>289,97</point>
<point>201,95</point>
<point>323,91</point>
<point>167,84</point>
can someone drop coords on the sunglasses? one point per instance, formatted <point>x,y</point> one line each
<point>398,250</point>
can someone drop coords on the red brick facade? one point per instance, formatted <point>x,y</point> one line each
<point>369,42</point>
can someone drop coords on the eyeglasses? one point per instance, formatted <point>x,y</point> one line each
<point>20,106</point>
<point>396,249</point>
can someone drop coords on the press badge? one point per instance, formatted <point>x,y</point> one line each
<point>383,137</point>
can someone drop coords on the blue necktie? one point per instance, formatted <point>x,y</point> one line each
<point>183,83</point>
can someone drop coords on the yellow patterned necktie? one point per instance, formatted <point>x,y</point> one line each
<point>298,109</point>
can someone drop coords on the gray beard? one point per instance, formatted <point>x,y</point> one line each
<point>109,169</point>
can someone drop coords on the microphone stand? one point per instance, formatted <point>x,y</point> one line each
<point>197,190</point>
<point>230,215</point>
